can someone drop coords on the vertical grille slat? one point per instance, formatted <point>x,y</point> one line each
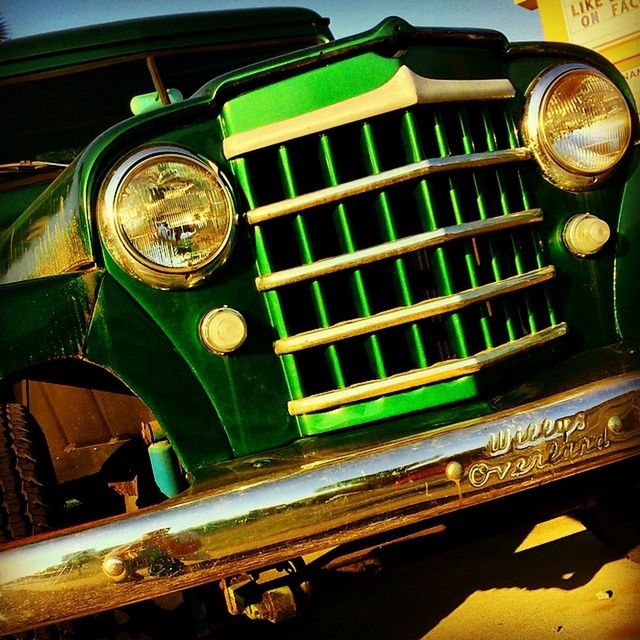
<point>397,250</point>
<point>514,240</point>
<point>438,261</point>
<point>535,240</point>
<point>306,250</point>
<point>468,253</point>
<point>470,147</point>
<point>273,304</point>
<point>357,282</point>
<point>388,225</point>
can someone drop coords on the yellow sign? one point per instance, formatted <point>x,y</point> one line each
<point>596,23</point>
<point>610,27</point>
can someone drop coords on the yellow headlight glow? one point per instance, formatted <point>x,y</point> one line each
<point>577,124</point>
<point>167,217</point>
<point>172,213</point>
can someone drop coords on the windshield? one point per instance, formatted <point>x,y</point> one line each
<point>50,118</point>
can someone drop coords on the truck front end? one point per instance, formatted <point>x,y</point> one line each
<point>381,279</point>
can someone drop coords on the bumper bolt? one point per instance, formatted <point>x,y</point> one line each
<point>113,567</point>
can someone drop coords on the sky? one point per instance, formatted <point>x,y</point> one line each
<point>28,17</point>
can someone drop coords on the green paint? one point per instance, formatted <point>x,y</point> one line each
<point>274,309</point>
<point>215,407</point>
<point>627,260</point>
<point>392,406</point>
<point>125,341</point>
<point>45,319</point>
<point>484,213</point>
<point>428,215</point>
<point>50,237</point>
<point>443,148</point>
<point>229,31</point>
<point>304,242</point>
<point>314,89</point>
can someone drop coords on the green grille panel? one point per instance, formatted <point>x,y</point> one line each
<point>446,199</point>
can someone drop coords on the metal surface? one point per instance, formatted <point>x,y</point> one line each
<point>386,179</point>
<point>315,495</point>
<point>396,248</point>
<point>222,330</point>
<point>445,370</point>
<point>405,89</point>
<point>404,315</point>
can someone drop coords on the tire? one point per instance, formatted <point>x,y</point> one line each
<point>27,477</point>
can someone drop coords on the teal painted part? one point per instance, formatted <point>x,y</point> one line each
<point>50,237</point>
<point>124,340</point>
<point>45,319</point>
<point>164,467</point>
<point>627,265</point>
<point>151,101</point>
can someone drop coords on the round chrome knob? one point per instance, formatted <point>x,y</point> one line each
<point>113,566</point>
<point>223,330</point>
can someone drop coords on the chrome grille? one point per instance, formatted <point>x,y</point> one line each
<point>397,250</point>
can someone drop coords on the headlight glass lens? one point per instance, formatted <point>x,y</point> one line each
<point>174,212</point>
<point>585,123</point>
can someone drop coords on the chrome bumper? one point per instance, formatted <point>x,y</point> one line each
<point>311,496</point>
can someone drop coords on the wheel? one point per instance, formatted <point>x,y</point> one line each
<point>27,486</point>
<point>27,478</point>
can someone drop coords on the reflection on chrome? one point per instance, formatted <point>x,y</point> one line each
<point>311,496</point>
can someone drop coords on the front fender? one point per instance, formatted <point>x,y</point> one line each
<point>45,319</point>
<point>123,339</point>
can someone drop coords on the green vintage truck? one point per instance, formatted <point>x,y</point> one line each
<point>343,288</point>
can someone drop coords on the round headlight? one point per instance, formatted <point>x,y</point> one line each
<point>578,125</point>
<point>166,217</point>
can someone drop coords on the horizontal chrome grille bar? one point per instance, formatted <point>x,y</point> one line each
<point>446,370</point>
<point>385,179</point>
<point>413,313</point>
<point>395,248</point>
<point>405,89</point>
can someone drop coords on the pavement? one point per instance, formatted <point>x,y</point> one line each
<point>556,581</point>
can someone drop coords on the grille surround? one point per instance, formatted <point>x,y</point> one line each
<point>455,237</point>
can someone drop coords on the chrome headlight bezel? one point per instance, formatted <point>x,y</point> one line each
<point>534,133</point>
<point>118,243</point>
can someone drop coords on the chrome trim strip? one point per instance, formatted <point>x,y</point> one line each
<point>316,494</point>
<point>405,89</point>
<point>385,179</point>
<point>412,313</point>
<point>395,248</point>
<point>445,370</point>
